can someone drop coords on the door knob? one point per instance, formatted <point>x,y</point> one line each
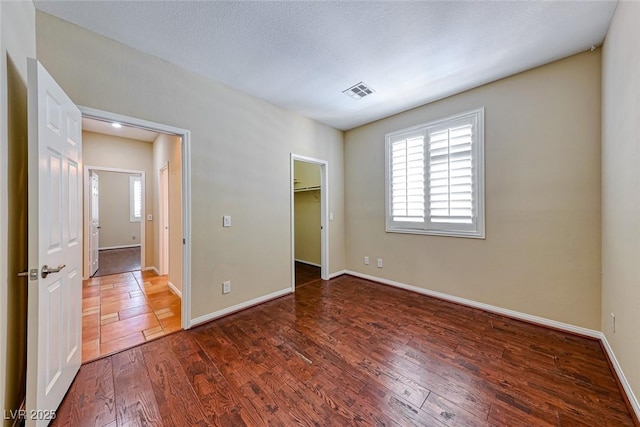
<point>46,270</point>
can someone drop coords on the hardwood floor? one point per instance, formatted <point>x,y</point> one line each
<point>123,310</point>
<point>352,352</point>
<point>306,273</point>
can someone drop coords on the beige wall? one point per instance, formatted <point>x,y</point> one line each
<point>620,195</point>
<point>17,42</point>
<point>167,150</point>
<point>240,160</point>
<point>116,228</point>
<point>542,174</point>
<point>306,174</point>
<point>307,226</point>
<point>122,153</point>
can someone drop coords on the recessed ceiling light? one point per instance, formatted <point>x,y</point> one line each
<point>116,125</point>
<point>358,91</point>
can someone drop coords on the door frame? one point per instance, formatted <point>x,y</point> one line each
<point>185,136</point>
<point>324,216</point>
<point>163,217</point>
<point>87,221</point>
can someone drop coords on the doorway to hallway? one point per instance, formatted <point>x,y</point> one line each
<point>137,293</point>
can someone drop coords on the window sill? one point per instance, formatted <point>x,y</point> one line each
<point>441,233</point>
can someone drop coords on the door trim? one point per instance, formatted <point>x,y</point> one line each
<point>87,221</point>
<point>324,216</point>
<point>163,217</point>
<point>185,136</point>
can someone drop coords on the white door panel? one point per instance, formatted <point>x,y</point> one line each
<point>54,335</point>
<point>94,225</point>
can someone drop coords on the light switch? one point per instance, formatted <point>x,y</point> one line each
<point>226,221</point>
<point>149,217</point>
<point>330,216</point>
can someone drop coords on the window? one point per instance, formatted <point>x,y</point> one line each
<point>135,198</point>
<point>435,177</point>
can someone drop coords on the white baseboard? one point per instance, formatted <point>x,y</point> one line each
<point>337,273</point>
<point>152,268</point>
<point>487,307</point>
<point>520,316</point>
<point>119,247</point>
<point>175,290</point>
<point>238,307</point>
<point>308,263</point>
<point>623,380</point>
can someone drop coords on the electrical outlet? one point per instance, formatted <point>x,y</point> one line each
<point>366,260</point>
<point>613,323</point>
<point>226,221</point>
<point>379,262</point>
<point>226,287</point>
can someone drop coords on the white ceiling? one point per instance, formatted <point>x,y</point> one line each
<point>301,55</point>
<point>106,128</point>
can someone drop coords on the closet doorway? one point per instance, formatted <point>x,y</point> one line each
<point>309,213</point>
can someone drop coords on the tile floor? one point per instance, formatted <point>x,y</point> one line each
<point>126,309</point>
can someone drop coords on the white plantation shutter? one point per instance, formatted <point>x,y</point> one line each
<point>407,179</point>
<point>451,175</point>
<point>435,177</point>
<point>135,198</point>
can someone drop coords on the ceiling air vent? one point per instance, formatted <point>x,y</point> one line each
<point>359,90</point>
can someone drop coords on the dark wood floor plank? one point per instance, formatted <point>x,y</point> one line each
<point>232,350</point>
<point>504,414</point>
<point>410,389</point>
<point>306,273</point>
<point>176,400</point>
<point>331,363</point>
<point>281,351</point>
<point>63,414</point>
<point>396,408</point>
<point>353,352</point>
<point>344,402</point>
<point>357,364</point>
<point>135,401</point>
<point>94,400</point>
<point>257,398</point>
<point>212,389</point>
<point>449,413</point>
<point>300,403</point>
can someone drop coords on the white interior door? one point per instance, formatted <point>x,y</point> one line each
<point>164,220</point>
<point>55,244</point>
<point>94,226</point>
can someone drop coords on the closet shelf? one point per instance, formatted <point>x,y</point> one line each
<point>297,190</point>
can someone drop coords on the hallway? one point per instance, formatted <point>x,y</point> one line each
<point>122,260</point>
<point>123,310</point>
